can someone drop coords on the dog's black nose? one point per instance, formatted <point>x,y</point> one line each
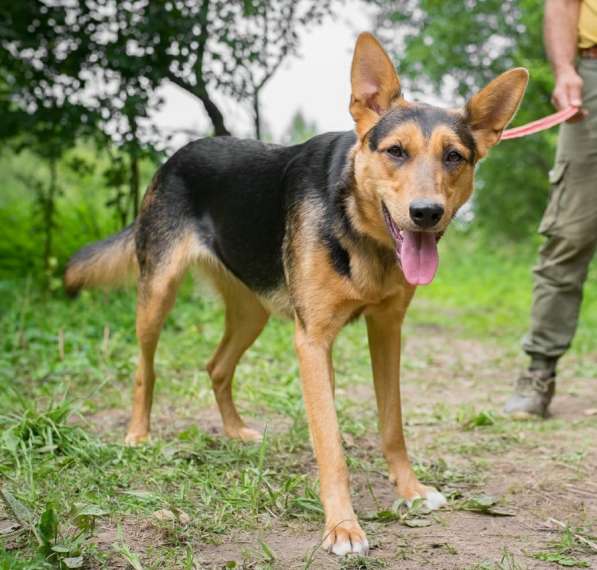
<point>425,213</point>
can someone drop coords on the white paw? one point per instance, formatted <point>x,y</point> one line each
<point>361,547</point>
<point>343,548</point>
<point>346,539</point>
<point>435,500</point>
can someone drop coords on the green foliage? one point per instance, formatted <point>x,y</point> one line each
<point>491,282</point>
<point>565,550</point>
<point>444,48</point>
<point>28,433</point>
<point>470,418</point>
<point>53,548</point>
<point>300,129</point>
<point>83,210</point>
<point>37,100</point>
<point>356,562</point>
<point>131,50</point>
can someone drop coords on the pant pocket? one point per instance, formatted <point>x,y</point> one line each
<point>557,189</point>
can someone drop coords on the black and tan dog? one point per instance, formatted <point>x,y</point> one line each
<point>342,225</point>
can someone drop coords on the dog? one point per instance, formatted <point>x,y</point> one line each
<point>343,225</point>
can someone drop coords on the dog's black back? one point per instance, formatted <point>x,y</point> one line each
<point>238,195</point>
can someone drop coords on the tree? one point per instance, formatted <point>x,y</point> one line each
<point>300,129</point>
<point>454,48</point>
<point>35,100</point>
<point>212,46</point>
<point>268,40</point>
<point>93,68</point>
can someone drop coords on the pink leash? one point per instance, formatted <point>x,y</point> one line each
<point>540,124</point>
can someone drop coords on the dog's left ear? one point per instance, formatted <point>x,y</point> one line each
<point>374,82</point>
<point>491,109</point>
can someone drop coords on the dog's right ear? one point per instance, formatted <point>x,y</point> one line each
<point>375,83</point>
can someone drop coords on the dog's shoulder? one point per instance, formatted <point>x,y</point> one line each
<point>318,168</point>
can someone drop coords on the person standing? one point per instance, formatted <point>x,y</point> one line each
<point>570,220</point>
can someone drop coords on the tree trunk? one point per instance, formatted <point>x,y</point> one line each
<point>214,114</point>
<point>212,110</point>
<point>133,149</point>
<point>134,183</point>
<point>200,89</point>
<point>256,115</point>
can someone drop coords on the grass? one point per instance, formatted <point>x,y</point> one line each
<point>77,496</point>
<point>565,550</point>
<point>82,211</point>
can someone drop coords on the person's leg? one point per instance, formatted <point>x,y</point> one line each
<point>557,295</point>
<point>570,225</point>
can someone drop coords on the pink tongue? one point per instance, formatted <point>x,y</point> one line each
<point>419,257</point>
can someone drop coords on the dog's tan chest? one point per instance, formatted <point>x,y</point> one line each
<point>374,280</point>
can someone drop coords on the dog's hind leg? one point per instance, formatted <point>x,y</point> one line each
<point>158,284</point>
<point>245,319</point>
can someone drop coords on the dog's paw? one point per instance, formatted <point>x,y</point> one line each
<point>433,499</point>
<point>344,538</point>
<point>133,439</point>
<point>246,434</point>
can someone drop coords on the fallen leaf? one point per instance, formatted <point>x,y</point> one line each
<point>417,523</point>
<point>19,510</point>
<point>9,528</point>
<point>91,511</point>
<point>73,562</point>
<point>382,516</point>
<point>487,505</point>
<point>164,515</point>
<point>140,494</point>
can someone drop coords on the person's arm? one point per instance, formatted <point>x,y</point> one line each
<point>560,31</point>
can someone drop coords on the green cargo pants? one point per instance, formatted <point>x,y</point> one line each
<point>570,226</point>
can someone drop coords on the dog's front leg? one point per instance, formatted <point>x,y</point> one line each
<point>342,534</point>
<point>383,327</point>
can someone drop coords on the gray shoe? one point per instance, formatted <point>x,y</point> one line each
<point>533,393</point>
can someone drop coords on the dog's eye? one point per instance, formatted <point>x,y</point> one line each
<point>397,151</point>
<point>453,157</point>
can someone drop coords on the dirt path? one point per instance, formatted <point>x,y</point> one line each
<point>541,473</point>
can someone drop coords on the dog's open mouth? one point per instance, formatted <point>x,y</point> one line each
<point>416,252</point>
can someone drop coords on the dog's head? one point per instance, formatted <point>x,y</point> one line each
<point>414,163</point>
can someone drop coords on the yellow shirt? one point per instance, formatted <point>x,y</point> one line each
<point>587,24</point>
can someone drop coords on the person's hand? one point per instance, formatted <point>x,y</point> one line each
<point>568,92</point>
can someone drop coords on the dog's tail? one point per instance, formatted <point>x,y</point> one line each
<point>106,263</point>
